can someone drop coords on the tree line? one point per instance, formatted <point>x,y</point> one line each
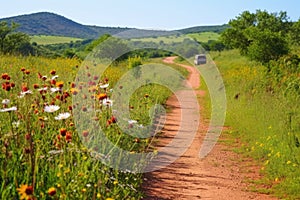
<point>12,42</point>
<point>262,36</point>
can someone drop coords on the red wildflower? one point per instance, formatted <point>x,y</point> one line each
<point>6,86</point>
<point>24,88</point>
<point>51,191</point>
<point>68,136</point>
<point>4,76</point>
<point>85,133</point>
<point>113,119</point>
<point>52,72</point>
<point>36,86</point>
<point>53,82</point>
<point>63,131</point>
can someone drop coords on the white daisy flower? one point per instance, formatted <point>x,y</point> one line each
<point>5,101</point>
<point>104,86</point>
<point>107,102</point>
<point>27,92</point>
<point>62,116</point>
<point>54,77</point>
<point>16,124</point>
<point>53,90</point>
<point>22,94</point>
<point>51,108</point>
<point>14,108</point>
<point>43,89</point>
<point>132,121</point>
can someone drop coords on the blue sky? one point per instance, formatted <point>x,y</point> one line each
<point>150,14</point>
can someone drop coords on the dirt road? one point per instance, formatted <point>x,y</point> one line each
<point>221,175</point>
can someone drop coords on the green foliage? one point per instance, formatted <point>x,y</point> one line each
<point>134,62</point>
<point>14,42</point>
<point>96,42</point>
<point>262,36</point>
<point>295,33</point>
<point>266,46</point>
<point>216,46</point>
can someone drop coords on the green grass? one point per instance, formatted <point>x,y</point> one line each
<point>204,37</point>
<point>48,39</point>
<point>200,37</point>
<point>265,119</point>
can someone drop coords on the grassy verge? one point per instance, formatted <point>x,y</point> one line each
<point>266,120</point>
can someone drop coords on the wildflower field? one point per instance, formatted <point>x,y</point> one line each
<point>42,155</point>
<point>264,113</point>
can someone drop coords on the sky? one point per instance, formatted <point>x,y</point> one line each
<point>149,14</point>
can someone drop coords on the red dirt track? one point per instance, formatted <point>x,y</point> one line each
<point>220,175</point>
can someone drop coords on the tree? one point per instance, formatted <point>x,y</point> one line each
<point>295,33</point>
<point>260,36</point>
<point>14,42</point>
<point>267,46</point>
<point>217,46</point>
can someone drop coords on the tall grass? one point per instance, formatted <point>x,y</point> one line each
<point>266,119</point>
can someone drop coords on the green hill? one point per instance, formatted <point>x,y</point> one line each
<point>45,23</point>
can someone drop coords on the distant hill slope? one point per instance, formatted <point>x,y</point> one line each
<point>198,29</point>
<point>45,23</point>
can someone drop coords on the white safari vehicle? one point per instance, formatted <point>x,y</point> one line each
<point>200,59</point>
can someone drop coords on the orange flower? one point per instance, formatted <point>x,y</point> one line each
<point>25,191</point>
<point>52,191</point>
<point>74,91</point>
<point>59,84</point>
<point>101,96</point>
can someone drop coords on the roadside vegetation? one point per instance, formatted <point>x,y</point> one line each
<point>263,95</point>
